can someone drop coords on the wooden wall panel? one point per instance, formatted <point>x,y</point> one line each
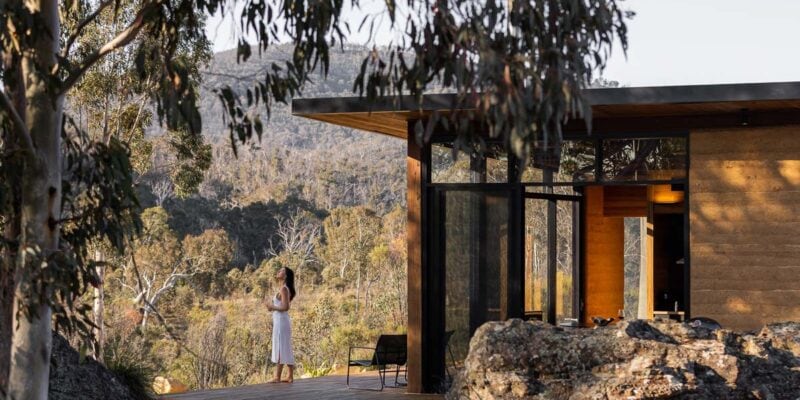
<point>744,199</point>
<point>414,230</point>
<point>604,274</point>
<point>625,201</point>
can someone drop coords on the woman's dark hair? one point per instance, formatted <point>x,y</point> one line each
<point>290,282</point>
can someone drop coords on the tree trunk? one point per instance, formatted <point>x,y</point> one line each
<point>6,313</point>
<point>145,315</point>
<point>358,290</point>
<point>12,84</point>
<point>11,232</point>
<point>40,210</point>
<point>99,306</point>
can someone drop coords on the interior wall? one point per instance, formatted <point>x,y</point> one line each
<point>744,201</point>
<point>604,274</point>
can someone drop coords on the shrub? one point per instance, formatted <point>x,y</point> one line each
<point>136,376</point>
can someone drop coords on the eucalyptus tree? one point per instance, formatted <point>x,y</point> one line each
<point>349,235</point>
<point>518,66</point>
<point>61,188</point>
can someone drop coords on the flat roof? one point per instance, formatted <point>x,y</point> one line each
<point>634,108</point>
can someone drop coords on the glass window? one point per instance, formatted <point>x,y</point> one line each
<point>537,262</point>
<point>566,219</point>
<point>535,258</point>
<point>475,252</point>
<point>490,167</point>
<point>445,168</point>
<point>635,259</point>
<point>576,164</point>
<point>644,159</point>
<point>568,190</point>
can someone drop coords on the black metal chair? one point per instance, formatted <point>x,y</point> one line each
<point>390,350</point>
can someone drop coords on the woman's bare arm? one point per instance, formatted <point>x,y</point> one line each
<point>285,301</point>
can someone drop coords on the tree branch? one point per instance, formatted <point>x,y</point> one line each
<point>121,40</point>
<point>129,287</point>
<point>19,125</point>
<point>81,25</point>
<point>168,285</point>
<point>136,120</point>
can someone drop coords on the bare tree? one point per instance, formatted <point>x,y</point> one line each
<point>148,287</point>
<point>209,366</point>
<point>297,236</point>
<point>163,189</point>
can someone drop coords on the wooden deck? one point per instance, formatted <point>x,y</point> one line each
<point>324,388</point>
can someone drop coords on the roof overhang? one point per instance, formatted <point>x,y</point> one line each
<point>614,109</point>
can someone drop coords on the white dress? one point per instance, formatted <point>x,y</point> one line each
<point>281,335</point>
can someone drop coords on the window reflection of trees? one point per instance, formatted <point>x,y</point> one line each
<point>536,255</point>
<point>576,164</point>
<point>623,160</point>
<point>639,159</point>
<point>476,260</point>
<point>450,167</point>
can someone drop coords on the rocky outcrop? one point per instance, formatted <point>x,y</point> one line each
<point>71,378</point>
<point>162,385</point>
<point>630,360</point>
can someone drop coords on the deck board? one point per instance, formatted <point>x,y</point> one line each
<point>324,388</point>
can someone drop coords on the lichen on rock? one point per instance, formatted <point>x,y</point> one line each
<point>630,360</point>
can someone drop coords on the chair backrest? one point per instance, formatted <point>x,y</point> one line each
<point>391,349</point>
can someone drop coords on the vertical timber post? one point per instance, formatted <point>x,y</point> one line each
<point>478,295</point>
<point>416,238</point>
<point>552,255</point>
<point>515,277</point>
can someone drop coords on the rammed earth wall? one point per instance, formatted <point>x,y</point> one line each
<point>744,188</point>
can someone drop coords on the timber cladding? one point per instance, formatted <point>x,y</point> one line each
<point>604,275</point>
<point>744,200</point>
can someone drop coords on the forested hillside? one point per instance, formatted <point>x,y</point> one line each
<point>187,302</point>
<point>299,163</point>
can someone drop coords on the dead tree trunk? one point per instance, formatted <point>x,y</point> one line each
<point>99,307</point>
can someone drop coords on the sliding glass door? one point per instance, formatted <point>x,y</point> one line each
<point>552,269</point>
<point>473,235</point>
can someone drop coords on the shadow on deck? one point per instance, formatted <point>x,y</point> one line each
<point>324,388</point>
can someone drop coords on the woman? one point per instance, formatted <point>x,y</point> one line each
<point>281,326</point>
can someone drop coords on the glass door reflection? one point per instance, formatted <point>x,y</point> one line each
<point>551,282</point>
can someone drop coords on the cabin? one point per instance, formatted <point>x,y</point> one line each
<point>681,202</point>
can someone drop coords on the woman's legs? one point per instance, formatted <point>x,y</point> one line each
<point>278,370</point>
<point>290,379</point>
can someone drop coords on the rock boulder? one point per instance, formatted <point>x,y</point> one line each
<point>630,360</point>
<point>71,378</point>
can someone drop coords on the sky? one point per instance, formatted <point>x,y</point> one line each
<point>684,42</point>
